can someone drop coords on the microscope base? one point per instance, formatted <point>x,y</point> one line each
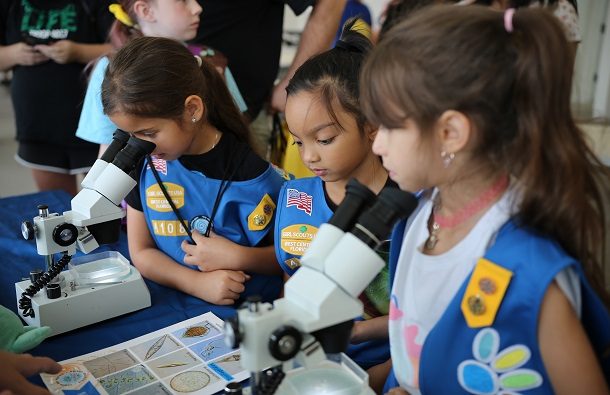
<point>327,377</point>
<point>87,303</point>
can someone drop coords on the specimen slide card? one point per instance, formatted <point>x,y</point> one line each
<point>189,357</point>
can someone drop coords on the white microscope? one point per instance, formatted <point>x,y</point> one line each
<point>99,286</point>
<point>286,346</point>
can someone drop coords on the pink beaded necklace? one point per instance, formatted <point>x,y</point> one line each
<point>468,211</point>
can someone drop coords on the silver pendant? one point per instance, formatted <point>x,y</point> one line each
<point>431,242</point>
<point>433,238</point>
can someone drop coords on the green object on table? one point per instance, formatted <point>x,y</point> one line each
<point>16,337</point>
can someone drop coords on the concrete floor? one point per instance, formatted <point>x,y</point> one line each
<point>14,178</point>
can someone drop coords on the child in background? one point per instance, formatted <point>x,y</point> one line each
<point>334,140</point>
<point>204,180</point>
<point>482,124</point>
<point>178,20</point>
<point>47,45</point>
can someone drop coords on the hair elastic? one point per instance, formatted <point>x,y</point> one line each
<point>508,19</point>
<point>120,14</point>
<point>199,60</point>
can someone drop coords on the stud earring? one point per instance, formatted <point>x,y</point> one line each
<point>447,158</point>
<point>194,119</point>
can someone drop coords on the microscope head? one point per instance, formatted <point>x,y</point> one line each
<point>95,213</point>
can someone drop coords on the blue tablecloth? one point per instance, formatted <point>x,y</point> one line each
<point>19,256</point>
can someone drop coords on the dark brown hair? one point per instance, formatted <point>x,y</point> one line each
<point>152,76</point>
<point>334,74</point>
<point>515,89</point>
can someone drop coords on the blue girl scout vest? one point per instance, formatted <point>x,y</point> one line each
<point>302,208</point>
<point>486,340</point>
<point>244,215</point>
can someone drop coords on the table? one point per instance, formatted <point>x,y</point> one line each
<point>19,256</point>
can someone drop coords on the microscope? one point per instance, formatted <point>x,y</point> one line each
<point>98,286</point>
<point>295,345</point>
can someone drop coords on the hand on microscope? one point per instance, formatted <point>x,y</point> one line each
<point>15,369</point>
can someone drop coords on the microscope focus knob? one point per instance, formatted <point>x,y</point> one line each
<point>285,342</point>
<point>28,230</point>
<point>233,336</point>
<point>65,234</point>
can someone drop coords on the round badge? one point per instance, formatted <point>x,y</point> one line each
<point>476,305</point>
<point>201,223</point>
<point>487,285</point>
<point>259,220</point>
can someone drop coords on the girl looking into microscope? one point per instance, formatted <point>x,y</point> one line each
<point>200,218</point>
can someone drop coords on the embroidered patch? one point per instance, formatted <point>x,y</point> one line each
<point>496,373</point>
<point>295,239</point>
<point>160,165</point>
<point>156,201</point>
<point>293,263</point>
<point>300,200</point>
<point>484,293</point>
<point>262,214</point>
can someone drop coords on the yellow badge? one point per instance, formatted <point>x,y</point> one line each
<point>484,293</point>
<point>261,216</point>
<point>155,199</point>
<point>295,239</point>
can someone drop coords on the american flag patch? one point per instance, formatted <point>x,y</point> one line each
<point>301,200</point>
<point>160,165</point>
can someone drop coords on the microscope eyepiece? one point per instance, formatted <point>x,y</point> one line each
<point>376,223</point>
<point>119,139</point>
<point>132,153</point>
<point>357,196</point>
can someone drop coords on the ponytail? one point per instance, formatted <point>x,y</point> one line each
<point>221,110</point>
<point>555,166</point>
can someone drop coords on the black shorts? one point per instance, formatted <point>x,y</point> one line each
<point>57,158</point>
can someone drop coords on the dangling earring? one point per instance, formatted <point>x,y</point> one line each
<point>447,158</point>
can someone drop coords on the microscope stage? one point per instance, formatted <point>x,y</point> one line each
<point>97,287</point>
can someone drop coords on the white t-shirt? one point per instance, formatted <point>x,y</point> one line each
<point>424,285</point>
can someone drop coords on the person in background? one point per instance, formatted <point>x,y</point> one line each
<point>496,283</point>
<point>178,20</point>
<point>566,12</point>
<point>200,219</point>
<point>334,141</point>
<point>47,45</point>
<point>255,58</point>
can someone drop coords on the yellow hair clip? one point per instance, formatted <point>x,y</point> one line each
<point>120,14</point>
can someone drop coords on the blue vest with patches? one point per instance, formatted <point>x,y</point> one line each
<point>194,195</point>
<point>457,359</point>
<point>301,209</point>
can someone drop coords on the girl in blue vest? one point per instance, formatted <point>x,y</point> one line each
<point>498,283</point>
<point>334,140</point>
<point>203,179</point>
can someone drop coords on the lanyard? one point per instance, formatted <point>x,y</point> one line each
<point>224,185</point>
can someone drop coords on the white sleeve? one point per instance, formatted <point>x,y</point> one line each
<point>568,281</point>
